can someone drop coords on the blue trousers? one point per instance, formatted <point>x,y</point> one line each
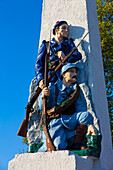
<point>62,129</point>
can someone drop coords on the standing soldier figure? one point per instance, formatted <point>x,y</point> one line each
<point>60,46</point>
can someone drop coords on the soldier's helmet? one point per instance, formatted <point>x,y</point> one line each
<point>68,66</point>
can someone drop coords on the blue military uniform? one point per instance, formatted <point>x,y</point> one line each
<point>63,128</point>
<point>66,46</point>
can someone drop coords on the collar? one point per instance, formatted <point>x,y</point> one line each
<point>60,85</point>
<point>73,86</point>
<point>54,43</point>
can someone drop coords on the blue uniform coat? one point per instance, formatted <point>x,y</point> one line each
<point>63,128</point>
<point>67,44</point>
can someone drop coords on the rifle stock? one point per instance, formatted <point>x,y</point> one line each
<point>49,143</point>
<point>24,124</point>
<point>23,128</point>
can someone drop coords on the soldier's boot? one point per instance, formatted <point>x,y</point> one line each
<point>80,133</point>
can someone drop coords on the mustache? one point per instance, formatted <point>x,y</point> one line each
<point>74,77</point>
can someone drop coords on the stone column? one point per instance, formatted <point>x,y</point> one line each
<point>81,15</point>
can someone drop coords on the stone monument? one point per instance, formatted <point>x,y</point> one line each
<point>81,16</point>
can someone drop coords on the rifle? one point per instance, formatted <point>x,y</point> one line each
<point>23,128</point>
<point>50,145</point>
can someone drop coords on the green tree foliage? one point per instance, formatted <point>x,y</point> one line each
<point>105,18</point>
<point>25,142</point>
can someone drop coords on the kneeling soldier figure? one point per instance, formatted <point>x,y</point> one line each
<point>68,118</point>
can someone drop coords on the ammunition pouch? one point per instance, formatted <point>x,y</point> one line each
<point>52,114</point>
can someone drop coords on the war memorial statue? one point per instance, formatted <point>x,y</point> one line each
<point>64,117</point>
<point>67,124</point>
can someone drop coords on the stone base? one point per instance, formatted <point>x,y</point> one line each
<point>56,160</point>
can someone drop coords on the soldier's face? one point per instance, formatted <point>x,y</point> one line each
<point>70,75</point>
<point>63,31</point>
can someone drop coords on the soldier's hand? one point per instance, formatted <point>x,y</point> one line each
<point>60,55</point>
<point>91,130</point>
<point>46,92</point>
<point>41,84</point>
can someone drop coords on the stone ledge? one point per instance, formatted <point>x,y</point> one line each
<point>56,160</point>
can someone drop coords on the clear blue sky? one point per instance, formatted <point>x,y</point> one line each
<point>19,33</point>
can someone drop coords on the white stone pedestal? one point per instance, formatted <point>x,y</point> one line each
<point>58,160</point>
